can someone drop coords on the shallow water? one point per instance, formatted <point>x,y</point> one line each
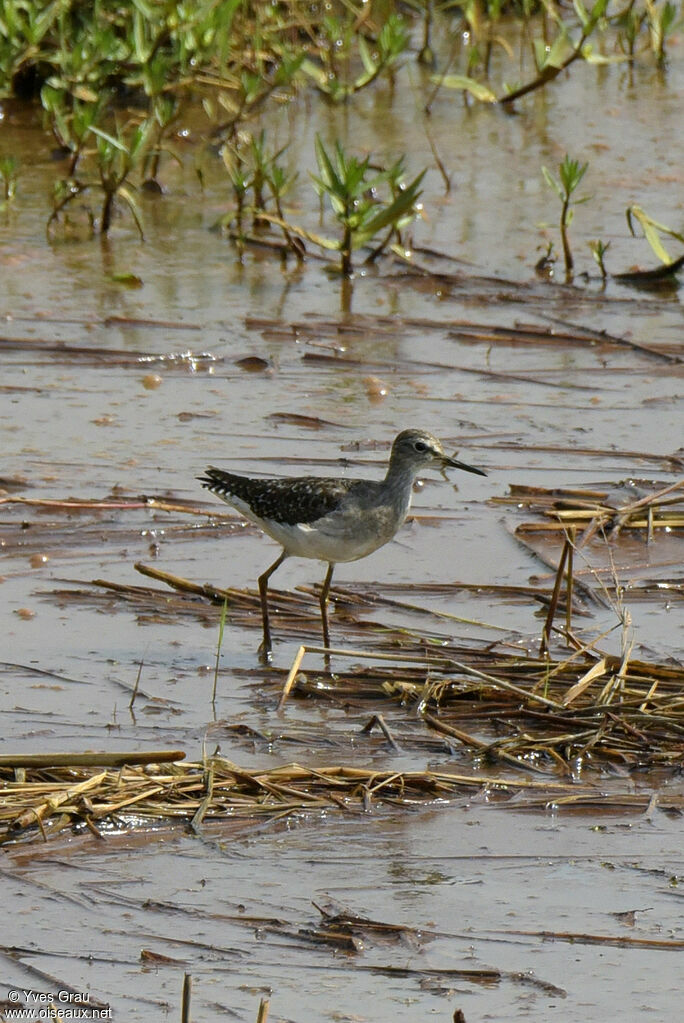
<point>240,915</point>
<point>80,423</point>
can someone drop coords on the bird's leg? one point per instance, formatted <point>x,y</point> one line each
<point>265,648</point>
<point>325,590</point>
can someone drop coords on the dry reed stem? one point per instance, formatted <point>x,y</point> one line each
<point>615,940</point>
<point>573,508</point>
<point>289,681</point>
<point>112,504</point>
<point>262,1014</point>
<point>583,683</point>
<point>101,759</point>
<point>33,814</point>
<point>340,593</point>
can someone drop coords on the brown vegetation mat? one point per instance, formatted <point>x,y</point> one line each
<point>539,714</point>
<point>37,802</point>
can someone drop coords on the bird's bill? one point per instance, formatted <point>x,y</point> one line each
<point>453,463</point>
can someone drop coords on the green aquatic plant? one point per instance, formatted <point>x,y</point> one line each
<point>235,55</point>
<point>598,251</point>
<point>9,173</point>
<point>570,174</point>
<point>116,158</point>
<point>545,264</point>
<point>229,52</point>
<point>163,107</point>
<point>270,175</point>
<point>241,181</point>
<point>366,202</point>
<point>262,161</point>
<point>24,25</point>
<point>163,113</point>
<point>244,90</point>
<point>662,21</point>
<point>553,56</point>
<point>630,23</point>
<point>88,54</point>
<point>354,191</point>
<point>553,52</point>
<point>431,13</point>
<point>72,120</point>
<point>482,20</point>
<point>257,179</point>
<point>378,57</point>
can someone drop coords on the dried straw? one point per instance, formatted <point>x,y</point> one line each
<point>218,790</point>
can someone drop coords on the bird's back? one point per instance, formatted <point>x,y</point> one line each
<point>290,501</point>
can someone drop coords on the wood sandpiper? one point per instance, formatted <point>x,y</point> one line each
<point>331,519</point>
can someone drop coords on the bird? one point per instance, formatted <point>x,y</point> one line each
<point>331,519</point>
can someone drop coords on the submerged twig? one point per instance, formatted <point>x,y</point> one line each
<point>553,604</point>
<point>222,625</point>
<point>185,998</point>
<point>378,720</point>
<point>134,693</point>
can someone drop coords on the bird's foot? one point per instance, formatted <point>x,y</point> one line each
<point>265,653</point>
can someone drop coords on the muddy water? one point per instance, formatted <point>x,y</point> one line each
<point>479,886</point>
<point>81,423</point>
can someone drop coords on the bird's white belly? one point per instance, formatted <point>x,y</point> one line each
<point>307,541</point>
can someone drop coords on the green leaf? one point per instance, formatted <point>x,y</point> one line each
<point>317,73</point>
<point>317,239</point>
<point>142,52</point>
<point>571,173</point>
<point>390,215</point>
<point>329,178</point>
<point>581,12</point>
<point>476,89</point>
<point>552,183</point>
<point>141,138</point>
<point>597,12</point>
<point>130,280</point>
<point>368,62</point>
<point>117,143</point>
<point>668,17</point>
<point>652,230</point>
<point>561,50</point>
<point>597,58</point>
<point>540,51</point>
<point>134,208</point>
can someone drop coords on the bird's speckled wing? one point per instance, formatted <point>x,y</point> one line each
<point>303,499</point>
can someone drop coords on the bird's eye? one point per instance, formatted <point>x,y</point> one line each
<point>420,445</point>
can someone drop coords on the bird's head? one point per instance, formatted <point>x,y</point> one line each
<point>420,450</point>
